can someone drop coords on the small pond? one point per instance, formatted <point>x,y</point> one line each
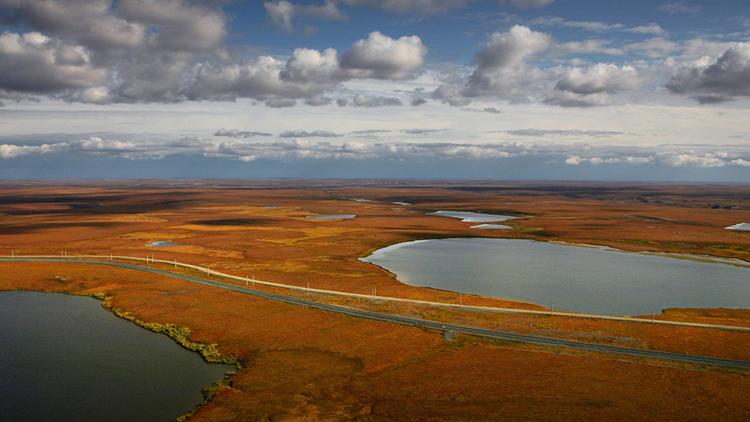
<point>332,217</point>
<point>162,244</point>
<point>473,217</point>
<point>492,227</point>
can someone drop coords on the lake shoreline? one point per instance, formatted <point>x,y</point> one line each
<point>697,258</point>
<point>180,335</point>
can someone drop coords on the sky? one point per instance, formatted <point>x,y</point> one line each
<point>441,89</point>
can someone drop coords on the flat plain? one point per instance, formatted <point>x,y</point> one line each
<point>301,363</point>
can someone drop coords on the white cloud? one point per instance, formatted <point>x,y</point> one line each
<point>597,26</point>
<point>719,79</point>
<point>594,85</point>
<point>8,151</point>
<point>382,57</point>
<point>502,70</point>
<point>179,24</point>
<point>34,63</point>
<point>89,22</point>
<point>655,47</point>
<point>590,46</point>
<point>283,12</point>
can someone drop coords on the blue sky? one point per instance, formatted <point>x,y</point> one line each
<point>503,89</point>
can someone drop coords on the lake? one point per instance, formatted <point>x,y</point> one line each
<point>492,227</point>
<point>67,358</point>
<point>332,217</point>
<point>564,277</point>
<point>162,244</point>
<point>741,226</point>
<point>473,217</point>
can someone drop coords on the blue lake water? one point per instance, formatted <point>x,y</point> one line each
<point>65,358</point>
<point>162,244</point>
<point>742,227</point>
<point>473,217</point>
<point>568,278</point>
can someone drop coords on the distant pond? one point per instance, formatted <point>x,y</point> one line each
<point>741,227</point>
<point>564,277</point>
<point>473,217</point>
<point>332,217</point>
<point>66,358</point>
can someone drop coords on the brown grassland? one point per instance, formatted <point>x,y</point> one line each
<point>306,364</point>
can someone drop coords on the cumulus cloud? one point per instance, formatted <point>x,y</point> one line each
<point>502,69</point>
<point>720,79</point>
<point>172,51</point>
<point>283,12</point>
<point>147,47</point>
<point>179,24</point>
<point>89,22</point>
<point>382,57</point>
<point>34,63</point>
<point>594,85</point>
<point>452,94</point>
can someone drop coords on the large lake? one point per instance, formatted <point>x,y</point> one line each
<point>569,278</point>
<point>66,358</point>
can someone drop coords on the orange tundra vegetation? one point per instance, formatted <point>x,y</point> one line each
<point>308,364</point>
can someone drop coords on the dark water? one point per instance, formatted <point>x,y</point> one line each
<point>570,278</point>
<point>65,358</point>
